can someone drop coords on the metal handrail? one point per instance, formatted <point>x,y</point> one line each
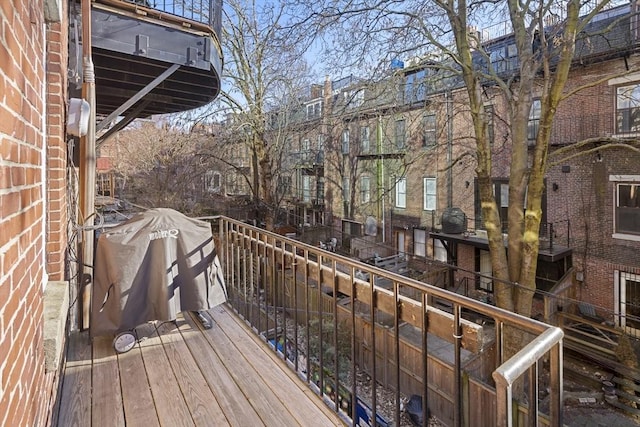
<point>251,255</point>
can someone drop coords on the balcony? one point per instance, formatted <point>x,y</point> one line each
<point>305,339</point>
<point>150,57</point>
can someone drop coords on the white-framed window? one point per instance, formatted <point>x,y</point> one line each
<point>534,120</point>
<point>430,194</point>
<point>346,189</point>
<point>628,109</point>
<point>365,189</point>
<point>439,251</point>
<point>365,133</point>
<point>401,193</point>
<point>429,132</point>
<point>627,296</point>
<point>419,242</point>
<point>314,110</point>
<point>213,179</point>
<point>306,188</point>
<point>627,206</point>
<point>345,141</point>
<point>305,148</point>
<point>486,271</point>
<point>400,134</point>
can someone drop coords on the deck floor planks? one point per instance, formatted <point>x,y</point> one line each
<point>76,386</point>
<point>202,404</point>
<point>232,401</point>
<point>170,404</point>
<point>281,379</point>
<point>139,407</point>
<point>107,409</point>
<point>270,409</point>
<point>185,376</point>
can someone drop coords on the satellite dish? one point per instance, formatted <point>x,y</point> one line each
<point>371,226</point>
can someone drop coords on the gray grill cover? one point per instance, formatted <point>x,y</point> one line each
<point>151,267</point>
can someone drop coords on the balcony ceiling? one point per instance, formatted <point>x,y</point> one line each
<point>131,48</point>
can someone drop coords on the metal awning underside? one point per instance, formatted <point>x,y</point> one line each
<point>131,49</point>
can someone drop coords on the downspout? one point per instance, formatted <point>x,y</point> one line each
<point>87,169</point>
<point>449,102</point>
<point>380,173</point>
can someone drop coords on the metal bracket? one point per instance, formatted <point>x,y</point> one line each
<point>137,97</point>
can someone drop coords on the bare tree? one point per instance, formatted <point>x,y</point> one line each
<point>544,36</point>
<point>263,75</point>
<point>159,167</point>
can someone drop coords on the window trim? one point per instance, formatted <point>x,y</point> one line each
<point>399,193</point>
<point>365,190</point>
<point>634,86</point>
<point>535,120</point>
<point>400,138</point>
<point>345,141</point>
<point>617,180</point>
<point>426,195</point>
<point>365,136</point>
<point>431,130</point>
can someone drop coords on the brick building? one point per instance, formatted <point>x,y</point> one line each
<point>33,199</point>
<point>397,159</point>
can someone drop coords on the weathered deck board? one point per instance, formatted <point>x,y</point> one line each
<point>230,397</point>
<point>170,404</point>
<point>308,415</point>
<point>202,404</point>
<point>139,408</point>
<point>259,396</point>
<point>76,389</point>
<point>185,376</point>
<point>107,409</point>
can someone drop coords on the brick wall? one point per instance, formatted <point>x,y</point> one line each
<point>24,386</point>
<point>582,205</point>
<point>56,75</point>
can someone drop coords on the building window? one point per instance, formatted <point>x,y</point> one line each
<point>627,219</point>
<point>305,147</point>
<point>400,135</point>
<point>534,120</point>
<point>365,189</point>
<point>364,139</point>
<point>345,141</point>
<point>320,190</point>
<point>501,193</point>
<point>306,189</point>
<point>628,302</point>
<point>628,109</point>
<point>430,194</point>
<point>401,193</point>
<point>419,242</point>
<point>284,184</point>
<point>346,190</point>
<point>429,135</point>
<point>489,116</point>
<point>314,110</point>
<point>483,266</point>
<point>212,181</point>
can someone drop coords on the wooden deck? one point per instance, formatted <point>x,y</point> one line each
<point>185,376</point>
